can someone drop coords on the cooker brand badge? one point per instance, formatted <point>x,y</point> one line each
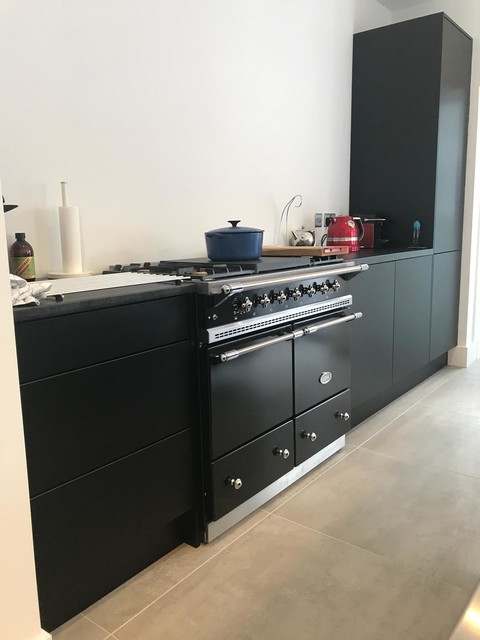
<point>325,377</point>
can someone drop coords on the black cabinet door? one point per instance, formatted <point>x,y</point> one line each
<point>79,421</point>
<point>372,336</point>
<point>249,395</point>
<point>452,137</point>
<point>411,340</point>
<point>92,534</point>
<point>445,299</point>
<point>322,425</point>
<point>243,473</point>
<point>54,345</point>
<point>322,364</point>
<point>410,101</point>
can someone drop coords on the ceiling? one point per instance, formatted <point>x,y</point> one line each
<point>394,5</point>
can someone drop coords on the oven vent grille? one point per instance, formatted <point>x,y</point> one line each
<point>247,326</point>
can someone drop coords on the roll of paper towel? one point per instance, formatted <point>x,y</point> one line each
<point>69,218</point>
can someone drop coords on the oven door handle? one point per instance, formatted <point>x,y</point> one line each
<point>226,356</point>
<point>331,323</point>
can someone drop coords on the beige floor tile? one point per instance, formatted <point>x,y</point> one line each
<point>461,394</point>
<point>283,582</point>
<point>375,423</point>
<point>126,601</point>
<point>417,515</point>
<point>430,384</point>
<point>473,371</point>
<point>283,497</point>
<point>79,628</point>
<point>438,437</point>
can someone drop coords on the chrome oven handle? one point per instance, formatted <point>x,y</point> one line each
<point>226,356</point>
<point>284,278</point>
<point>232,354</point>
<point>331,323</point>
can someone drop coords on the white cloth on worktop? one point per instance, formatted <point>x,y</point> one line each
<point>24,292</point>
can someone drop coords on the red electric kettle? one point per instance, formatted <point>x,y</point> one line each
<point>345,231</point>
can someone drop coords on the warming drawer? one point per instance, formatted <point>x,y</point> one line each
<point>318,427</point>
<point>246,471</point>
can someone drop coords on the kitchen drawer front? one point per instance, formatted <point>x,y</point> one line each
<point>322,365</point>
<point>92,534</point>
<point>256,464</point>
<point>318,427</point>
<point>79,421</point>
<point>55,345</point>
<point>249,395</point>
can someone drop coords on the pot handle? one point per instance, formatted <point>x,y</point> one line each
<point>234,222</point>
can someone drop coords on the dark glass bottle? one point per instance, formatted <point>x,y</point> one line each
<point>22,261</point>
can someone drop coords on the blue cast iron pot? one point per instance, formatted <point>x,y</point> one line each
<point>234,243</point>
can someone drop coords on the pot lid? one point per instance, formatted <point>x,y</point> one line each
<point>235,229</point>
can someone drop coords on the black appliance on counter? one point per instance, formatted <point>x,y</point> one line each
<point>274,372</point>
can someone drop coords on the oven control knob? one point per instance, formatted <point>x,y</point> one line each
<point>264,300</point>
<point>296,294</point>
<point>236,483</point>
<point>309,436</point>
<point>324,287</point>
<point>335,285</point>
<point>312,290</point>
<point>284,453</point>
<point>344,416</point>
<point>281,297</point>
<point>246,305</point>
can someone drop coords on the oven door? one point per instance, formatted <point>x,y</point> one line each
<point>322,360</point>
<point>249,393</point>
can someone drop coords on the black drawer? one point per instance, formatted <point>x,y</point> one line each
<point>256,464</point>
<point>92,534</point>
<point>54,345</point>
<point>79,421</point>
<point>322,365</point>
<point>317,428</point>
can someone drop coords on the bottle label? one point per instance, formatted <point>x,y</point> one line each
<point>23,267</point>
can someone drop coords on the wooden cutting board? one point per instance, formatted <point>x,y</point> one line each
<point>303,251</point>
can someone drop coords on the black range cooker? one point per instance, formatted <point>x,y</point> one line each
<point>274,373</point>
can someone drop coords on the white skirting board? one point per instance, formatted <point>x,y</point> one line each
<point>463,356</point>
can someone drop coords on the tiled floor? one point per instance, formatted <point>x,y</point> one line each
<point>380,542</point>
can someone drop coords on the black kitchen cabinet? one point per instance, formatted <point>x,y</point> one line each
<point>411,335</point>
<point>109,406</point>
<point>372,338</point>
<point>445,299</point>
<point>92,534</point>
<point>410,102</point>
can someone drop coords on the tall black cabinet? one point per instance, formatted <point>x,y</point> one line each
<point>410,104</point>
<point>410,100</point>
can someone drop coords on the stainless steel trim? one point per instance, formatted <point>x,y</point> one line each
<point>244,327</point>
<point>232,354</point>
<point>281,277</point>
<point>215,529</point>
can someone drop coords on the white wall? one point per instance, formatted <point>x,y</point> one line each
<point>169,118</point>
<point>19,618</point>
<point>466,13</point>
<point>166,118</point>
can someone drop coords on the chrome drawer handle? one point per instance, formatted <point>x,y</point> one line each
<point>345,416</point>
<point>236,483</point>
<point>284,453</point>
<point>309,436</point>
